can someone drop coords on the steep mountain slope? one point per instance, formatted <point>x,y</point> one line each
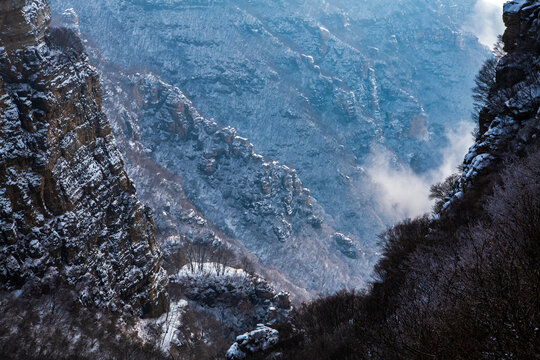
<point>313,84</point>
<point>242,195</point>
<point>69,212</point>
<point>466,283</point>
<point>208,186</point>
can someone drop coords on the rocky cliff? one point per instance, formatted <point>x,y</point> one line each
<point>307,84</point>
<point>206,185</point>
<point>68,210</point>
<point>509,123</point>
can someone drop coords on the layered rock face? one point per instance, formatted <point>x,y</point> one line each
<point>255,207</point>
<point>23,23</point>
<point>315,85</point>
<point>68,210</point>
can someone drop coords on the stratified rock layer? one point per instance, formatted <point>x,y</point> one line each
<point>68,210</point>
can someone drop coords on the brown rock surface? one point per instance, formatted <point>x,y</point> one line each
<point>67,207</point>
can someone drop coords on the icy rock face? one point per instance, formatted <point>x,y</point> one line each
<point>219,167</point>
<point>139,130</point>
<point>511,119</point>
<point>253,342</point>
<point>67,207</point>
<point>313,84</point>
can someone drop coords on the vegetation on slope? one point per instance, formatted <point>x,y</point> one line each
<point>465,283</point>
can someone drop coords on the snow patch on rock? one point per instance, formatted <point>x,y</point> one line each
<point>256,341</point>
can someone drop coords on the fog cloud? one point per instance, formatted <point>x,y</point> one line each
<point>486,21</point>
<point>402,193</point>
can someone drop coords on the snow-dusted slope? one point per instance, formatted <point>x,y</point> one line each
<point>255,207</point>
<point>254,204</point>
<point>313,84</point>
<point>68,211</point>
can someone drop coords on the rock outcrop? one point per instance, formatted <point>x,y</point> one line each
<point>510,120</point>
<point>254,342</point>
<point>206,185</point>
<point>68,210</point>
<point>238,299</point>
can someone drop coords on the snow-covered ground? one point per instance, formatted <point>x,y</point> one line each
<point>214,269</point>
